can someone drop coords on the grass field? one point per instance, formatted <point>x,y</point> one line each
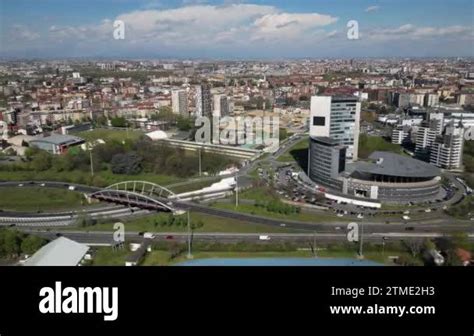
<point>162,258</point>
<point>162,255</point>
<point>110,134</point>
<point>102,178</point>
<point>296,152</point>
<point>258,194</point>
<point>210,224</point>
<point>38,198</point>
<point>258,211</point>
<point>370,144</point>
<point>106,256</point>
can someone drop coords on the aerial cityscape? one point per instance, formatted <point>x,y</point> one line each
<point>157,133</point>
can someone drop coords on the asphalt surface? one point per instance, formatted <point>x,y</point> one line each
<point>433,225</point>
<point>106,238</point>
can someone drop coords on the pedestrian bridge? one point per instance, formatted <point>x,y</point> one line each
<point>141,194</point>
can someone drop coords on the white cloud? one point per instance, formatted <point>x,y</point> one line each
<point>22,33</point>
<point>410,31</point>
<point>232,29</point>
<point>204,26</point>
<point>372,9</point>
<point>286,25</point>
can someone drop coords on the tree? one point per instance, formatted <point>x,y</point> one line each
<point>129,164</point>
<point>414,246</point>
<point>31,244</point>
<point>101,120</point>
<point>460,240</point>
<point>41,161</point>
<point>63,163</point>
<point>428,245</point>
<point>30,152</point>
<point>119,122</point>
<point>166,114</point>
<point>11,243</point>
<point>184,124</point>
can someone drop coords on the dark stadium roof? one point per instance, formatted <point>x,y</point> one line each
<point>326,140</point>
<point>390,164</point>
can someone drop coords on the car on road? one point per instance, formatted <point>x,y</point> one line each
<point>169,237</point>
<point>264,237</point>
<point>405,217</point>
<point>72,188</point>
<point>360,216</point>
<point>282,224</point>
<point>20,185</point>
<point>409,228</point>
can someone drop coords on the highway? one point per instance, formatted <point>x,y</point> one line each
<point>425,226</point>
<point>106,238</point>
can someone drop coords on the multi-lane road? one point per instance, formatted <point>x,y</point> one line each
<point>67,218</point>
<point>106,238</point>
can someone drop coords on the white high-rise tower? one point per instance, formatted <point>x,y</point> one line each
<point>337,117</point>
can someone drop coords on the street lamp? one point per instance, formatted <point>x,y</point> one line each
<point>189,256</point>
<point>314,245</point>
<point>383,246</point>
<point>236,190</point>
<point>92,163</point>
<point>200,163</point>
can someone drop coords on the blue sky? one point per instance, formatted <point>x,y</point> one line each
<point>236,29</point>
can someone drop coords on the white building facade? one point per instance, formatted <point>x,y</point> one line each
<point>337,118</point>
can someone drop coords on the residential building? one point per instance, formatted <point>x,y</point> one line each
<point>203,101</point>
<point>179,102</point>
<point>221,106</point>
<point>446,150</point>
<point>431,100</point>
<point>401,135</point>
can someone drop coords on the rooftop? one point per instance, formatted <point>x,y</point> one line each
<point>60,252</point>
<point>326,140</point>
<point>59,139</point>
<point>391,164</point>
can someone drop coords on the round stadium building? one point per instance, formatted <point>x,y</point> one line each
<point>385,176</point>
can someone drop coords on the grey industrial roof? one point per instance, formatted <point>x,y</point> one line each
<point>391,164</point>
<point>60,252</point>
<point>59,139</point>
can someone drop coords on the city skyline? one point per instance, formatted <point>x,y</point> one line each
<point>236,29</point>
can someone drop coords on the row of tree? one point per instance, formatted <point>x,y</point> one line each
<point>278,206</point>
<point>126,157</point>
<point>178,221</point>
<point>13,243</point>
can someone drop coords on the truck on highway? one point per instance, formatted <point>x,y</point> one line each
<point>264,237</point>
<point>148,235</point>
